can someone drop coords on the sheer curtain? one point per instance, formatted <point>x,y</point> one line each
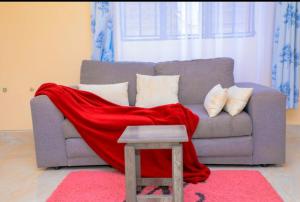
<point>164,31</point>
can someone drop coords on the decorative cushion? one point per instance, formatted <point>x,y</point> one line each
<point>156,90</point>
<point>215,100</point>
<point>116,93</point>
<point>96,72</point>
<point>237,99</point>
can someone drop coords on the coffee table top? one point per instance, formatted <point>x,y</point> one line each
<point>154,134</point>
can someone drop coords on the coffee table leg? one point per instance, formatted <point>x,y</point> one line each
<point>138,167</point>
<point>177,173</point>
<point>130,173</point>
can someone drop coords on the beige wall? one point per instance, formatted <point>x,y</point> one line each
<point>293,116</point>
<point>39,42</point>
<point>44,42</point>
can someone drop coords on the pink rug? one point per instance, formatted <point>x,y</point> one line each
<point>109,186</point>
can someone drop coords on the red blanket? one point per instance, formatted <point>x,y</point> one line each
<point>101,123</point>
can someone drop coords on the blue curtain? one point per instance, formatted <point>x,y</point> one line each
<point>286,49</point>
<point>102,31</point>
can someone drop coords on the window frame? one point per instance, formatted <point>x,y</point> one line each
<point>203,33</point>
<point>207,13</point>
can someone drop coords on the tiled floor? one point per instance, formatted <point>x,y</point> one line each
<point>20,180</point>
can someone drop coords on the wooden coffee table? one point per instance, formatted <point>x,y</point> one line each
<point>153,137</point>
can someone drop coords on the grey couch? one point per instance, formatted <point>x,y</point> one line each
<point>255,136</point>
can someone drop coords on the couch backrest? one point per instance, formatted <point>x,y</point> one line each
<point>197,77</point>
<point>95,72</point>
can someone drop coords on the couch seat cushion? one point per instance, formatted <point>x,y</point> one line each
<point>69,129</point>
<point>224,147</point>
<point>78,150</point>
<point>222,125</point>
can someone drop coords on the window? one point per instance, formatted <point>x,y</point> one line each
<point>225,19</point>
<point>139,21</point>
<point>176,20</point>
<point>159,20</point>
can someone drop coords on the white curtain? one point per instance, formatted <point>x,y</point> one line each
<point>164,31</point>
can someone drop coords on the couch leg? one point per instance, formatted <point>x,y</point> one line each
<point>264,165</point>
<point>57,167</point>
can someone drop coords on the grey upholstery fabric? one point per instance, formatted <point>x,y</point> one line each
<point>86,161</point>
<point>48,134</point>
<point>77,147</point>
<point>95,160</point>
<point>220,140</point>
<point>94,72</point>
<point>223,125</point>
<point>197,77</point>
<point>267,109</point>
<point>89,157</point>
<point>230,160</point>
<point>69,129</point>
<point>220,147</point>
<point>243,146</point>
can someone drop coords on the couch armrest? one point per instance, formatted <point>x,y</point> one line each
<point>267,110</point>
<point>48,133</point>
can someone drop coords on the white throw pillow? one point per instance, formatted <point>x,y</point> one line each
<point>237,99</point>
<point>156,90</point>
<point>116,93</point>
<point>215,100</point>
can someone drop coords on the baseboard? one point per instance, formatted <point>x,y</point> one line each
<point>16,131</point>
